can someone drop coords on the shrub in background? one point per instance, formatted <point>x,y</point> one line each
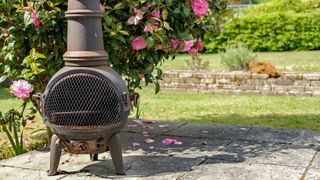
<point>281,25</point>
<point>197,64</point>
<point>237,58</point>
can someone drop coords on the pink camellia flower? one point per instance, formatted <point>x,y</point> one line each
<point>175,43</point>
<point>21,89</point>
<point>187,46</point>
<point>156,14</point>
<point>199,45</point>
<point>138,15</point>
<point>171,141</point>
<point>199,7</point>
<point>153,27</point>
<point>138,43</point>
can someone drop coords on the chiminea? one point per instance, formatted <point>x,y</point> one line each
<point>86,103</point>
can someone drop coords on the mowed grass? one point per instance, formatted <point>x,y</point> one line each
<point>263,111</point>
<point>305,61</point>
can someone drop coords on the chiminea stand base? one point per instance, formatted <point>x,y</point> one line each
<point>113,144</point>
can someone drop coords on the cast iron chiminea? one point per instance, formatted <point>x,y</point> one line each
<point>86,103</point>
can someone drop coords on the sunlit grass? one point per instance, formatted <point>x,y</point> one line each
<point>264,111</point>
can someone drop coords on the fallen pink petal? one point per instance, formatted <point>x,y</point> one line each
<point>145,134</point>
<point>205,132</point>
<point>177,142</point>
<point>151,147</point>
<point>137,121</point>
<point>148,122</point>
<point>171,141</point>
<point>135,144</point>
<point>148,141</point>
<point>163,125</point>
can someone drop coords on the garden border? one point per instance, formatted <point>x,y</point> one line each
<point>242,83</point>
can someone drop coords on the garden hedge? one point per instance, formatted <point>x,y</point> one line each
<point>277,30</point>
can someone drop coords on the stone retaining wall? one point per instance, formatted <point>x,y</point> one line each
<point>242,83</point>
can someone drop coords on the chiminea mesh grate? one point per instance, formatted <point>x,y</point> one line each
<point>82,99</point>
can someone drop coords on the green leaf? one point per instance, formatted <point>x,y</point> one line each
<point>176,11</point>
<point>150,42</point>
<point>124,33</point>
<point>164,14</point>
<point>40,56</point>
<point>166,25</point>
<point>118,6</point>
<point>3,78</point>
<point>186,11</point>
<point>108,20</point>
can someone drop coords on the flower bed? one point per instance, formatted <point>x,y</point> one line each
<point>242,83</point>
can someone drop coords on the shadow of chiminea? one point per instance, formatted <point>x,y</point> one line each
<point>144,166</point>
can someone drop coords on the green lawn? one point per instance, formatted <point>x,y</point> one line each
<point>264,111</point>
<point>308,61</point>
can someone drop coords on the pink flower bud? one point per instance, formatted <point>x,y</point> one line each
<point>199,45</point>
<point>153,27</point>
<point>36,22</point>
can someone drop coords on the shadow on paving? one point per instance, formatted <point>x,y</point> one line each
<point>290,121</point>
<point>148,165</point>
<point>231,145</point>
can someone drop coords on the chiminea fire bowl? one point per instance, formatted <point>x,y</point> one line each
<point>86,108</point>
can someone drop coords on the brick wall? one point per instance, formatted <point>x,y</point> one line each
<point>242,83</point>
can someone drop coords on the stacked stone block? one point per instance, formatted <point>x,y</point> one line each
<point>242,83</point>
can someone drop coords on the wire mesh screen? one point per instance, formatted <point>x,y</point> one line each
<point>82,99</point>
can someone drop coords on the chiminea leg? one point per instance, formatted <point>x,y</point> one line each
<point>55,154</point>
<point>116,153</point>
<point>94,157</point>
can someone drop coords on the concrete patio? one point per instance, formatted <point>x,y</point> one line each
<point>206,152</point>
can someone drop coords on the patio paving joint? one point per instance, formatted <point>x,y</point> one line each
<point>309,166</point>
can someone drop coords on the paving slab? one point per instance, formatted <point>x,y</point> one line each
<point>316,163</point>
<point>206,152</point>
<point>282,135</point>
<point>291,155</point>
<point>312,175</point>
<point>210,132</point>
<point>220,170</point>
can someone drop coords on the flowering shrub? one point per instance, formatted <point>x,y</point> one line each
<point>139,35</point>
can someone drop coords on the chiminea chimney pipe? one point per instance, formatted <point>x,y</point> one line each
<point>85,39</point>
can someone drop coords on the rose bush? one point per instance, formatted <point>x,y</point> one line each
<point>138,34</point>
